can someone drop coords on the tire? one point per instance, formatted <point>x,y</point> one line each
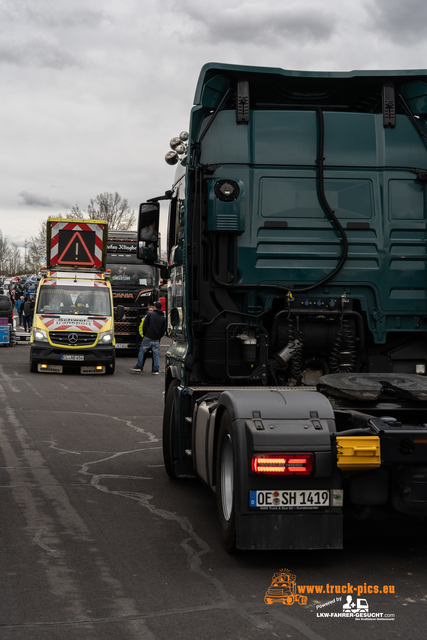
<point>225,472</point>
<point>33,367</point>
<point>169,430</point>
<point>110,370</point>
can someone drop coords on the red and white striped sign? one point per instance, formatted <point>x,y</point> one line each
<point>60,274</point>
<point>78,247</point>
<point>67,282</point>
<point>72,324</point>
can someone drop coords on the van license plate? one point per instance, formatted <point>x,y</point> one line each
<point>50,368</point>
<point>93,369</point>
<point>290,499</point>
<point>70,357</point>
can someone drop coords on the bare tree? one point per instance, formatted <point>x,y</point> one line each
<point>14,262</point>
<point>10,258</point>
<point>75,212</point>
<point>4,253</point>
<point>36,251</point>
<point>112,208</point>
<point>26,243</point>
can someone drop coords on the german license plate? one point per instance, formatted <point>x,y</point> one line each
<point>307,499</point>
<point>70,357</point>
<point>122,345</point>
<point>50,368</point>
<point>92,370</point>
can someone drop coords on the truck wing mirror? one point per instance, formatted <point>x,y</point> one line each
<point>174,317</point>
<point>148,232</point>
<point>119,313</point>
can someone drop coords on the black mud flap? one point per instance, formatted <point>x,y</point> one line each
<point>270,532</point>
<point>275,421</point>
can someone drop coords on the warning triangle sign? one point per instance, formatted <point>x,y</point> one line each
<point>76,248</point>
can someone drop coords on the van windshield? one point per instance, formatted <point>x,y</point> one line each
<point>88,301</point>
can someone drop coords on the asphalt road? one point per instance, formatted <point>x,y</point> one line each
<point>96,542</point>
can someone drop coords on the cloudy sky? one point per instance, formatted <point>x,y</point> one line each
<point>93,90</point>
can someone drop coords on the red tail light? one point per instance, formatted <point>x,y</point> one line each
<point>284,464</point>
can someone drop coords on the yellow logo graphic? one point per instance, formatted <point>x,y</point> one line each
<point>283,589</point>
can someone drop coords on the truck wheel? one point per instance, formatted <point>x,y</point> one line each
<point>169,430</point>
<point>225,484</point>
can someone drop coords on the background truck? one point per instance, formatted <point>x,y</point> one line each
<point>73,324</point>
<point>296,381</point>
<point>134,285</point>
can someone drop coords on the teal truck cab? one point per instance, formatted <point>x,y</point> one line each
<point>296,380</point>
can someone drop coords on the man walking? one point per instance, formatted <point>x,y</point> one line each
<point>154,328</point>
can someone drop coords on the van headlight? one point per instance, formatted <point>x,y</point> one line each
<point>39,335</point>
<point>106,337</point>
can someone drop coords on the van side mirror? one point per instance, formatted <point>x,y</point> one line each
<point>148,232</point>
<point>119,313</point>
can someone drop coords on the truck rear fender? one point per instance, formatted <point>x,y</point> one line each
<point>265,419</point>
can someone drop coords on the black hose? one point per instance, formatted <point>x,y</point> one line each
<point>328,211</point>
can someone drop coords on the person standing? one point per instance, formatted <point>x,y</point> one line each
<point>141,333</point>
<point>28,313</point>
<point>20,308</point>
<point>154,328</point>
<point>32,308</point>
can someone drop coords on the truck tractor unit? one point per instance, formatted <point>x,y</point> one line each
<point>296,380</point>
<point>73,323</point>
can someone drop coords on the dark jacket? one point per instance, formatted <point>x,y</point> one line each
<point>154,326</point>
<point>28,307</point>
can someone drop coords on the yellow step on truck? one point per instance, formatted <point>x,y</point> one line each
<point>73,322</point>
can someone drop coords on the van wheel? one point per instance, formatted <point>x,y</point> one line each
<point>225,489</point>
<point>170,431</point>
<point>33,367</point>
<point>110,370</point>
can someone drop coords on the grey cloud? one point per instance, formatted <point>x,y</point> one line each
<point>71,19</point>
<point>18,241</point>
<point>46,33</point>
<point>50,13</point>
<point>36,200</point>
<point>398,20</point>
<point>259,23</point>
<point>36,52</point>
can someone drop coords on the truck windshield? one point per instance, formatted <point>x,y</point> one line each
<point>132,274</point>
<point>79,300</point>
